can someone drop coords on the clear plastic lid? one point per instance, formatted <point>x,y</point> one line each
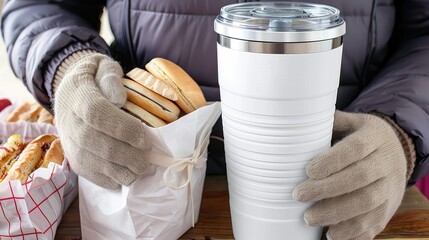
<point>280,22</point>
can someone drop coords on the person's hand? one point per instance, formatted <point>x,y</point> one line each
<point>359,183</point>
<point>102,143</point>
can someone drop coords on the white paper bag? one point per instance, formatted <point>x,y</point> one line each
<point>164,202</point>
<point>34,210</point>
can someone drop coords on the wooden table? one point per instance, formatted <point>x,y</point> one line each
<point>410,222</point>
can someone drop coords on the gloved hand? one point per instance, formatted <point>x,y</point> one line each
<point>359,183</point>
<point>102,143</point>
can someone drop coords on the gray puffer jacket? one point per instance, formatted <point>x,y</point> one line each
<point>385,64</point>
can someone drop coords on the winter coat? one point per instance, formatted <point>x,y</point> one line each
<point>385,61</point>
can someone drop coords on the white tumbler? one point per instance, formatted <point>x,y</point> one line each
<point>279,67</point>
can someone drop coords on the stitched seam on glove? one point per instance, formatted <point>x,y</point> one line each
<point>406,142</point>
<point>64,66</point>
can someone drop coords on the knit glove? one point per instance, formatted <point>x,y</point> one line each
<point>359,183</point>
<point>102,143</point>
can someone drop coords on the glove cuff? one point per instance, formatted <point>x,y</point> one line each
<point>406,142</point>
<point>66,63</point>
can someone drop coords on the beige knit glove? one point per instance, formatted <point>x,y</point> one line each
<point>102,143</point>
<point>359,183</point>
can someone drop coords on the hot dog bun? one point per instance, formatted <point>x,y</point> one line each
<point>54,154</point>
<point>14,115</point>
<point>146,79</point>
<point>190,96</point>
<point>45,117</point>
<point>31,115</point>
<point>29,112</point>
<point>151,101</point>
<point>39,152</point>
<point>144,116</point>
<point>27,161</point>
<point>9,152</point>
<point>12,144</point>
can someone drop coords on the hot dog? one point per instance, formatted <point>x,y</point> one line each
<point>9,152</point>
<point>37,153</point>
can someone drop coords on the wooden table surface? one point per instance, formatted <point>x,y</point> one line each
<point>410,222</point>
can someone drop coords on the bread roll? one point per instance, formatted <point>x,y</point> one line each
<point>150,101</point>
<point>32,114</point>
<point>14,115</point>
<point>190,96</point>
<point>45,117</point>
<point>44,139</point>
<point>29,159</point>
<point>54,154</point>
<point>146,79</point>
<point>11,145</point>
<point>145,116</point>
<point>9,151</point>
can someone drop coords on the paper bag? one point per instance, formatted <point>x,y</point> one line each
<point>34,210</point>
<point>164,202</point>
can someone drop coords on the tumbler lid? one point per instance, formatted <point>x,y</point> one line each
<point>280,22</point>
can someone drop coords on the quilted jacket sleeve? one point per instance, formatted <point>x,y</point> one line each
<point>39,34</point>
<point>401,88</point>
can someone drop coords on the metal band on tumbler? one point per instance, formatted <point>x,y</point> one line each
<point>279,47</point>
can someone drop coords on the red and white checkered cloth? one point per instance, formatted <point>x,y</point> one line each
<point>33,210</point>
